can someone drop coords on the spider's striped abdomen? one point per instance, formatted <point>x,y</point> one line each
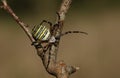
<point>40,33</point>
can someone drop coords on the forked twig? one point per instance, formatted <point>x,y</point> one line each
<point>57,68</point>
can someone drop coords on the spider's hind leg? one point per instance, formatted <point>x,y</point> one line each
<point>36,44</point>
<point>70,32</point>
<point>58,15</point>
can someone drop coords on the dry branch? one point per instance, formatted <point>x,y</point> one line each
<point>49,55</point>
<point>24,26</point>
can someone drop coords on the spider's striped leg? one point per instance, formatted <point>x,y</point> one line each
<point>70,32</point>
<point>50,24</point>
<point>55,26</point>
<point>45,48</point>
<point>38,44</point>
<point>49,57</point>
<point>58,15</point>
<point>45,21</point>
<point>50,54</point>
<point>34,43</point>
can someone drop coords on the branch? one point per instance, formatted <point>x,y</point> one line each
<point>64,9</point>
<point>59,69</point>
<point>24,26</point>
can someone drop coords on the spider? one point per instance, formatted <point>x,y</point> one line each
<point>43,34</point>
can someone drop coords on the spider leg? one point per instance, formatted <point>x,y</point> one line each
<point>70,32</point>
<point>56,26</point>
<point>58,15</point>
<point>45,21</point>
<point>45,48</point>
<point>36,44</point>
<point>49,57</point>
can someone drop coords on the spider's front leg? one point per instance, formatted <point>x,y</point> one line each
<point>45,21</point>
<point>38,44</point>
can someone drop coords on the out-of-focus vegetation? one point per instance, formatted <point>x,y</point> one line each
<point>97,54</point>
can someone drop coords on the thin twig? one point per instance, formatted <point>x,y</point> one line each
<point>24,26</point>
<point>64,9</point>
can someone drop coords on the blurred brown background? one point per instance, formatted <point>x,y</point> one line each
<point>97,54</point>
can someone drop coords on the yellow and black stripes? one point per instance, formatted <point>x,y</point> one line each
<point>40,33</point>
